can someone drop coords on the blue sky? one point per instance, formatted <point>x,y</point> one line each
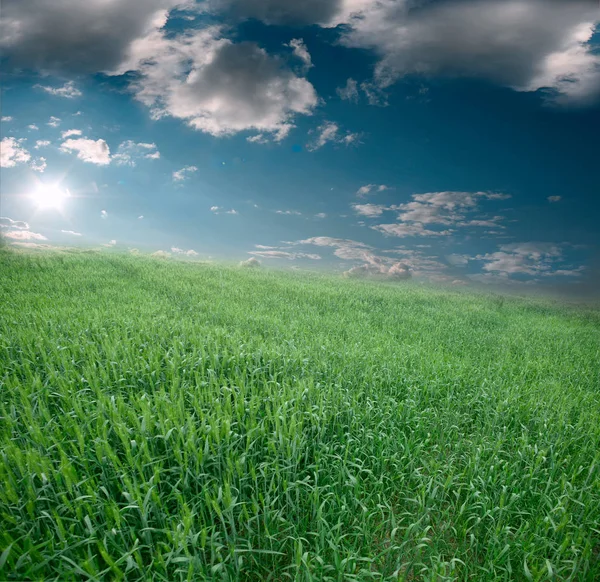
<point>453,141</point>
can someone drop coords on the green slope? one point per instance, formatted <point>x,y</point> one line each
<point>172,421</point>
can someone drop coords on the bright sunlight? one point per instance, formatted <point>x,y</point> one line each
<point>50,196</point>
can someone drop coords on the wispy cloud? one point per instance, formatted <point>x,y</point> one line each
<point>54,121</point>
<point>71,232</point>
<point>180,175</point>
<point>349,92</point>
<point>284,255</point>
<point>554,198</point>
<point>129,152</point>
<point>68,90</point>
<point>330,132</point>
<point>221,210</point>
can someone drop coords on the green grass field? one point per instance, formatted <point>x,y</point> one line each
<point>179,421</point>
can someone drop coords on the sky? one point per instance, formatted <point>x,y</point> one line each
<point>448,141</point>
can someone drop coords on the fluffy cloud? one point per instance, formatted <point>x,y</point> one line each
<point>344,248</point>
<point>33,127</point>
<point>189,253</point>
<point>129,152</point>
<point>23,235</point>
<point>70,133</point>
<point>369,209</point>
<point>41,143</point>
<point>436,208</point>
<point>68,90</point>
<point>53,121</point>
<point>301,52</point>
<point>39,164</point>
<point>523,44</point>
<point>89,150</point>
<point>531,259</point>
<point>330,132</point>
<point>75,36</point>
<point>397,271</point>
<point>252,262</point>
<point>12,152</point>
<point>180,175</point>
<point>215,85</point>
<point>6,119</point>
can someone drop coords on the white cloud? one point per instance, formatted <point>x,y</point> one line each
<point>258,138</point>
<point>215,85</point>
<point>343,248</point>
<point>129,152</point>
<point>189,253</point>
<point>39,164</point>
<point>68,90</point>
<point>89,150</point>
<point>221,210</point>
<point>330,132</point>
<point>12,152</point>
<point>523,44</point>
<point>103,214</point>
<point>301,52</point>
<point>349,92</point>
<point>554,198</point>
<point>252,262</point>
<point>441,208</point>
<point>6,118</point>
<point>368,188</point>
<point>161,255</point>
<point>321,215</point>
<point>110,243</point>
<point>284,255</point>
<point>54,121</point>
<point>403,229</point>
<point>41,143</point>
<point>141,217</point>
<point>23,235</point>
<point>182,174</point>
<point>289,212</point>
<point>33,127</point>
<point>369,209</point>
<point>70,132</point>
<point>531,259</point>
<point>6,222</point>
<point>71,232</point>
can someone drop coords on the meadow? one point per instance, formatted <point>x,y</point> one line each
<point>183,421</point>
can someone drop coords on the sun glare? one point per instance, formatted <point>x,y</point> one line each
<point>48,196</point>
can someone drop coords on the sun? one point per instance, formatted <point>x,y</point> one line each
<point>50,196</point>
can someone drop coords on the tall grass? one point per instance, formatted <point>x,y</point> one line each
<point>163,421</point>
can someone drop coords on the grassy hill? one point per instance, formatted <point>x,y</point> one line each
<point>177,421</point>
